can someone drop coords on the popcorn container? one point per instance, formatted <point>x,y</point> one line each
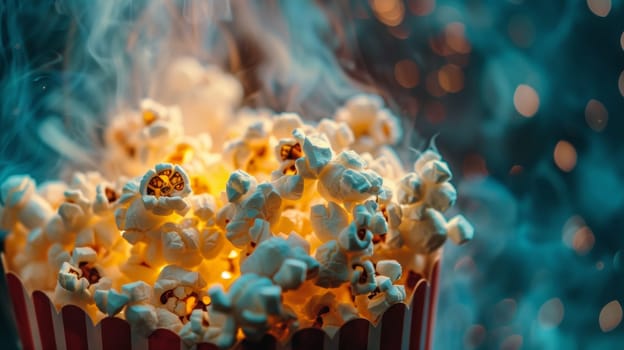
<point>407,325</point>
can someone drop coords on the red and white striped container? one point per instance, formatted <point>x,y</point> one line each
<point>402,327</point>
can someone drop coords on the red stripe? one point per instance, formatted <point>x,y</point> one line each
<point>74,327</point>
<point>115,334</point>
<point>308,339</point>
<point>433,302</point>
<point>267,342</point>
<point>392,327</point>
<point>43,310</point>
<point>418,310</point>
<point>206,346</point>
<point>163,339</point>
<point>20,312</point>
<point>354,335</point>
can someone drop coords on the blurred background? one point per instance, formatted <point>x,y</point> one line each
<point>522,97</point>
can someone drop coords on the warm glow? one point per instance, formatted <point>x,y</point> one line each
<point>406,73</point>
<point>551,313</point>
<point>526,100</point>
<point>583,240</point>
<point>389,12</point>
<point>610,316</point>
<point>565,156</point>
<point>621,83</point>
<point>455,34</point>
<point>451,78</point>
<point>190,304</point>
<point>596,115</point>
<point>233,254</point>
<point>226,275</point>
<point>600,8</point>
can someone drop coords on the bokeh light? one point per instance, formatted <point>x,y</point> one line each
<point>551,313</point>
<point>600,8</point>
<point>526,100</point>
<point>565,156</point>
<point>596,115</point>
<point>610,316</point>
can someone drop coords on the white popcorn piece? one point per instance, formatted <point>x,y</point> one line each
<point>371,123</point>
<point>137,292</point>
<point>164,190</point>
<point>345,179</point>
<point>425,235</point>
<point>289,186</point>
<point>105,197</point>
<point>285,123</point>
<point>286,262</point>
<point>326,312</point>
<point>204,208</point>
<point>389,268</point>
<point>251,152</point>
<point>263,203</point>
<point>252,304</point>
<point>460,230</point>
<point>180,243</point>
<point>142,318</point>
<point>356,240</point>
<point>333,265</point>
<point>339,134</point>
<point>442,197</point>
<point>426,157</point>
<point>436,171</point>
<point>179,291</point>
<point>318,152</point>
<point>201,328</point>
<point>385,295</point>
<point>239,184</point>
<point>211,242</point>
<point>363,278</point>
<point>110,301</point>
<point>328,220</point>
<point>22,204</point>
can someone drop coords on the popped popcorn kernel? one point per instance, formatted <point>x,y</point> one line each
<point>265,225</point>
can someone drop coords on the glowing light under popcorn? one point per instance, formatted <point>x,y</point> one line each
<point>285,225</point>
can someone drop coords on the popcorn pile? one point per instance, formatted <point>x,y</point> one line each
<point>286,225</point>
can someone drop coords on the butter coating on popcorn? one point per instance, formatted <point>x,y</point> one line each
<point>266,225</point>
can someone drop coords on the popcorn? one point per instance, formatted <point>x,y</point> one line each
<point>80,278</point>
<point>22,204</point>
<point>181,243</point>
<point>328,220</point>
<point>424,235</point>
<point>177,292</point>
<point>286,262</point>
<point>164,189</point>
<point>291,225</point>
<point>326,312</point>
<point>251,303</point>
<point>372,125</point>
<point>345,179</point>
<point>460,230</point>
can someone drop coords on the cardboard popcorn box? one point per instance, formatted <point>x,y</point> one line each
<point>403,326</point>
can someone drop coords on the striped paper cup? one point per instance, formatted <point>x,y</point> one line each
<point>403,326</point>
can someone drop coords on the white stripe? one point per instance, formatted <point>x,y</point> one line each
<point>374,336</point>
<point>32,319</point>
<point>407,327</point>
<point>332,343</point>
<point>94,334</point>
<point>57,324</point>
<point>139,342</point>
